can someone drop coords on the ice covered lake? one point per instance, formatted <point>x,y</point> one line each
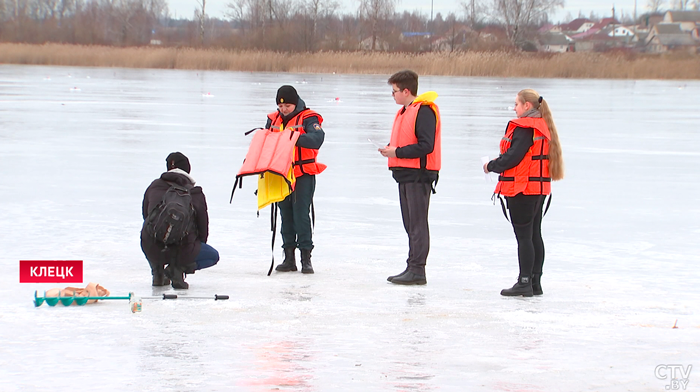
<point>78,147</point>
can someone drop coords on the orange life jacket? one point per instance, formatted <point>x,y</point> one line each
<point>531,175</point>
<point>269,151</point>
<point>403,133</point>
<point>304,158</point>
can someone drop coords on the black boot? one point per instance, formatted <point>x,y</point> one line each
<point>177,277</point>
<point>523,287</point>
<point>159,278</point>
<point>536,285</point>
<point>306,267</point>
<point>389,279</point>
<point>410,278</point>
<point>289,263</point>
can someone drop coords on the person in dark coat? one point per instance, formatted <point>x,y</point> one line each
<point>297,229</point>
<point>171,263</point>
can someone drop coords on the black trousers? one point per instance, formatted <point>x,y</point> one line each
<point>294,210</point>
<point>526,217</point>
<point>414,198</point>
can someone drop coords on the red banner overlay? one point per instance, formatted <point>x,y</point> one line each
<point>50,271</point>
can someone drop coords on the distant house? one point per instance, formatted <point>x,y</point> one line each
<point>596,28</point>
<point>576,26</point>
<point>621,31</point>
<point>650,20</point>
<point>669,36</point>
<point>603,36</point>
<point>415,34</point>
<point>555,43</point>
<point>688,20</point>
<point>548,27</point>
<point>599,42</point>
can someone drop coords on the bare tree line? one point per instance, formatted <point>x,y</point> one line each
<point>281,25</point>
<point>106,22</point>
<point>655,6</point>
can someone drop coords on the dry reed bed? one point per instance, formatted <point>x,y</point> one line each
<point>494,64</point>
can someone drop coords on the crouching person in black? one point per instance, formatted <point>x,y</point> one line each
<point>176,225</point>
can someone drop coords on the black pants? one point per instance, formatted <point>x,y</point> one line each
<point>415,201</point>
<point>294,210</point>
<point>526,217</point>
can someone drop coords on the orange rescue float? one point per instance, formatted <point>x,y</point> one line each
<point>270,156</point>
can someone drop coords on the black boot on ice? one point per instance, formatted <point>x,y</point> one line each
<point>523,287</point>
<point>289,263</point>
<point>177,277</point>
<point>159,279</point>
<point>389,279</point>
<point>306,267</point>
<point>536,285</point>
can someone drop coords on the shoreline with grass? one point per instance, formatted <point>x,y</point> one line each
<point>487,64</point>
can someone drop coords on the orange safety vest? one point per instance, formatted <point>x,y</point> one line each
<point>403,133</point>
<point>531,175</point>
<point>304,158</point>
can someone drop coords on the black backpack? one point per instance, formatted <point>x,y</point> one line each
<point>173,218</point>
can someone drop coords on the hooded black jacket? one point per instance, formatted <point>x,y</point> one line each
<point>185,253</point>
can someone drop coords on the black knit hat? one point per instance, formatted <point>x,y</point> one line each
<point>177,160</point>
<point>287,94</point>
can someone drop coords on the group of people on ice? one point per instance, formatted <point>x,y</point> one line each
<point>175,230</point>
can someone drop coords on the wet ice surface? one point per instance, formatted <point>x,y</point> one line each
<point>78,147</point>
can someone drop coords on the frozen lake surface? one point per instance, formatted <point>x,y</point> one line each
<point>78,147</point>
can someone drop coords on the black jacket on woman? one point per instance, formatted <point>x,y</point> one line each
<point>185,253</point>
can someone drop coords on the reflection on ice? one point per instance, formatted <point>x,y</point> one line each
<point>281,365</point>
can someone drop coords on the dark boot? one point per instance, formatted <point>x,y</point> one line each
<point>289,263</point>
<point>389,279</point>
<point>410,278</point>
<point>159,278</point>
<point>536,285</point>
<point>190,269</point>
<point>177,277</point>
<point>306,267</point>
<point>523,287</point>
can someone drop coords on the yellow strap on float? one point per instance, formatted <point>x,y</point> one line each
<point>273,188</point>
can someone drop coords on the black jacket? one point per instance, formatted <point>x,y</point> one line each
<point>185,253</point>
<point>522,141</point>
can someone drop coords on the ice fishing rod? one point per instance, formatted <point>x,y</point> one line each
<point>80,300</point>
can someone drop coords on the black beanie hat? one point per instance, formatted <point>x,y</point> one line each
<point>287,94</point>
<point>177,160</point>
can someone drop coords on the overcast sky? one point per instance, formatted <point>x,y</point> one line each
<point>216,8</point>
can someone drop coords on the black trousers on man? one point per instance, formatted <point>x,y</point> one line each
<point>294,209</point>
<point>414,198</point>
<point>526,217</point>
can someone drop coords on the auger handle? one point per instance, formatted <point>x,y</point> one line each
<point>217,297</point>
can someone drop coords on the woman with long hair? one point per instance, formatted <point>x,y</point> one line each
<point>530,159</point>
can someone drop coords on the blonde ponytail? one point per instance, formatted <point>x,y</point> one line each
<point>556,161</point>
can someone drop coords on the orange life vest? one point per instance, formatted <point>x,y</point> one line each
<point>304,158</point>
<point>403,133</point>
<point>531,175</point>
<point>269,151</point>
